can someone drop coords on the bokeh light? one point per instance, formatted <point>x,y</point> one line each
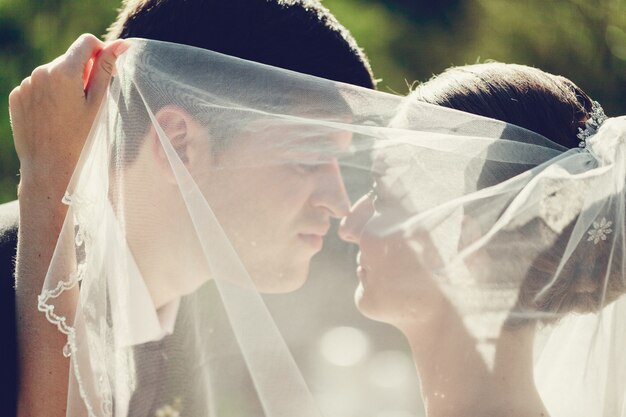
<point>344,346</point>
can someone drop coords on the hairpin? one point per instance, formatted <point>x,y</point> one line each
<point>593,123</point>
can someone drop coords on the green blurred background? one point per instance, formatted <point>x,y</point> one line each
<point>406,40</point>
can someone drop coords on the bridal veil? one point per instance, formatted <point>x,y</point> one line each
<point>200,234</point>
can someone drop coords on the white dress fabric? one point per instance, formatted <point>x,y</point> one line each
<point>202,203</point>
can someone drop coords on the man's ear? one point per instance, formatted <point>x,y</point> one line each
<point>175,126</point>
<point>178,128</point>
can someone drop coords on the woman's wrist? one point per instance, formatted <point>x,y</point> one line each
<point>40,205</point>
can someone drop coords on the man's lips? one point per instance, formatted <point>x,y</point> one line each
<point>314,240</point>
<point>315,236</point>
<point>321,230</point>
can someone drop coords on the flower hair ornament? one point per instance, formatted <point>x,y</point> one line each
<point>593,123</point>
<point>600,231</point>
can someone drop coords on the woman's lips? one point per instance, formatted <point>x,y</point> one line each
<point>361,272</point>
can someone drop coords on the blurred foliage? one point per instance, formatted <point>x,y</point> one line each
<point>410,40</point>
<point>406,40</point>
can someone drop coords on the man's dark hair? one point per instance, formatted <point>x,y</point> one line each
<point>298,35</point>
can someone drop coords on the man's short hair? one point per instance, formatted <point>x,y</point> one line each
<point>298,35</point>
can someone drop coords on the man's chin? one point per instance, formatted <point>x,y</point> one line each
<point>286,281</point>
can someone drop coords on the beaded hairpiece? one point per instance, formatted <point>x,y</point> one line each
<point>596,118</point>
<point>600,228</point>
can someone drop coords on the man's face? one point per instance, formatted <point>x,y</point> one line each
<point>274,198</point>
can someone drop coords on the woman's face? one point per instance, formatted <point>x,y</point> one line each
<point>393,266</point>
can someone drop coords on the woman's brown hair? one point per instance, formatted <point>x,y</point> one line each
<point>556,108</point>
<point>527,97</point>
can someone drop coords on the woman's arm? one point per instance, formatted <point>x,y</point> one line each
<point>51,114</point>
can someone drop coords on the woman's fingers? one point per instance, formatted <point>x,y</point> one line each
<point>102,70</point>
<point>81,52</point>
<point>52,110</point>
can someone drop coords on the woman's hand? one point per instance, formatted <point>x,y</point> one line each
<point>52,112</point>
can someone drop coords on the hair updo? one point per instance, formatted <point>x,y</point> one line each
<point>527,97</point>
<point>556,108</point>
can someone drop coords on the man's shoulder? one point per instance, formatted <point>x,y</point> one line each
<point>9,219</point>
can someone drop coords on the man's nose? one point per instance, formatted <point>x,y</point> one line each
<point>352,225</point>
<point>331,193</point>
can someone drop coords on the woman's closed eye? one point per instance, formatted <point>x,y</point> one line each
<point>384,200</point>
<point>375,197</point>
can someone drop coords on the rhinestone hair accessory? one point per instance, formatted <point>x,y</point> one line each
<point>596,118</point>
<point>599,231</point>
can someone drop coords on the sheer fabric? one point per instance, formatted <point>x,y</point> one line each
<point>205,199</point>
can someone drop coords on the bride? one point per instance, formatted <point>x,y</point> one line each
<point>543,242</point>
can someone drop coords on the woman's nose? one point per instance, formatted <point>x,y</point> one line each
<point>352,225</point>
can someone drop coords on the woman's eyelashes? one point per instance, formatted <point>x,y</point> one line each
<point>374,196</point>
<point>384,199</point>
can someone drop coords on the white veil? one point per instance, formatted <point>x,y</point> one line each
<point>207,185</point>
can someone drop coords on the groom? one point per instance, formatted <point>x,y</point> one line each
<point>296,35</point>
